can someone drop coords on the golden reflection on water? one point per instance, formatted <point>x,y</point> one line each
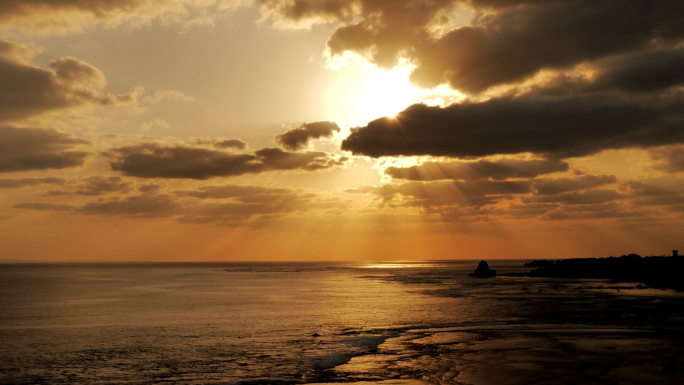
<point>396,265</point>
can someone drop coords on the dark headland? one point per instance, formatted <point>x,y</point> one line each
<point>658,272</point>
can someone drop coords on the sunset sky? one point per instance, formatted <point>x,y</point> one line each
<point>244,130</point>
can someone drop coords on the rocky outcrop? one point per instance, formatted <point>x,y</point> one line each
<point>661,272</point>
<point>483,271</point>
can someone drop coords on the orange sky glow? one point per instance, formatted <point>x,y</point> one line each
<point>290,130</point>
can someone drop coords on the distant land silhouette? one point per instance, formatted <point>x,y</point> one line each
<point>658,272</point>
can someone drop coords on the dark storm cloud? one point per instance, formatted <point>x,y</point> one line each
<point>23,182</point>
<point>563,185</point>
<point>481,169</point>
<point>300,136</point>
<point>558,127</point>
<point>23,149</point>
<point>27,90</point>
<point>152,160</point>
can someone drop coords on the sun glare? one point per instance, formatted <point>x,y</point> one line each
<point>385,93</point>
<point>364,93</point>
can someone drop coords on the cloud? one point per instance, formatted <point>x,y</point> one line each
<point>300,136</point>
<point>151,160</point>
<point>231,143</point>
<point>563,185</point>
<point>641,72</point>
<point>154,123</point>
<point>577,197</point>
<point>23,182</point>
<point>277,159</point>
<point>51,16</point>
<point>141,206</point>
<point>225,204</point>
<point>480,169</point>
<point>560,127</point>
<point>569,198</point>
<point>232,212</point>
<point>609,210</point>
<point>94,185</point>
<point>669,159</point>
<point>442,193</point>
<point>23,149</point>
<point>506,42</point>
<point>663,191</point>
<point>301,10</point>
<point>44,206</point>
<point>253,205</point>
<point>221,143</point>
<point>150,188</point>
<point>27,90</point>
<point>233,191</point>
<point>162,95</point>
<point>514,43</point>
<point>554,78</point>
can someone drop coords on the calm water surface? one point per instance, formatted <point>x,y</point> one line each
<point>390,323</point>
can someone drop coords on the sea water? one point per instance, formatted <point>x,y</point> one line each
<point>304,323</point>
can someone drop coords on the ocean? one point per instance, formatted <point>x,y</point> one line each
<point>318,323</point>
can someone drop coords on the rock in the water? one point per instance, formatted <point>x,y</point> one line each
<point>483,271</point>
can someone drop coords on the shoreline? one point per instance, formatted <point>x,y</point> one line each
<point>656,272</point>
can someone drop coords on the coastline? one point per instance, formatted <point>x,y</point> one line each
<point>656,272</point>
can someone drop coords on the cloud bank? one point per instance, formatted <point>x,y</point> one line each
<point>28,91</point>
<point>151,160</point>
<point>23,149</point>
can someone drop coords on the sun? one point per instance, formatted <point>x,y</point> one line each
<point>363,93</point>
<point>385,93</point>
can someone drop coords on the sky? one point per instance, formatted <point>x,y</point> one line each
<point>316,130</point>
